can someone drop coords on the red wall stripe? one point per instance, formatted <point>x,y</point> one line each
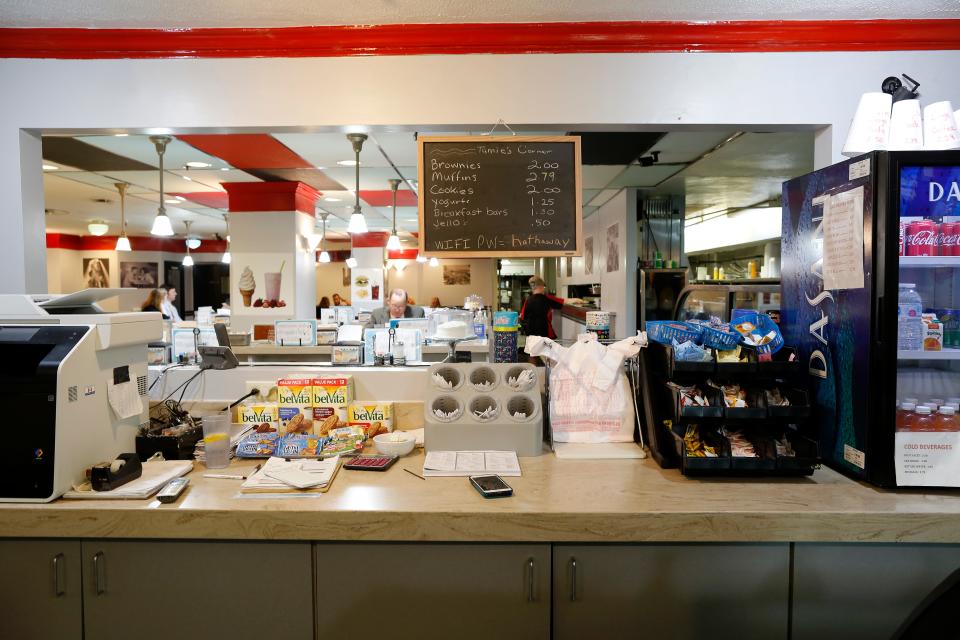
<point>370,239</point>
<point>247,150</point>
<point>432,39</point>
<point>137,243</point>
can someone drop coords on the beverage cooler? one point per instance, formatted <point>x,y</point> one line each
<point>874,309</point>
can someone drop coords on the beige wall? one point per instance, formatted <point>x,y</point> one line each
<point>65,272</point>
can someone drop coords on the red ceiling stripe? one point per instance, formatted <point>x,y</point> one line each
<point>247,150</point>
<point>137,243</point>
<point>384,198</point>
<point>370,239</point>
<point>503,38</point>
<point>403,254</point>
<point>212,199</point>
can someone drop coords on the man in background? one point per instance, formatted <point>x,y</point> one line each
<point>167,307</point>
<point>397,307</point>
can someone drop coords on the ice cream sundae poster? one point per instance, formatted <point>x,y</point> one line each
<point>366,288</point>
<point>262,283</point>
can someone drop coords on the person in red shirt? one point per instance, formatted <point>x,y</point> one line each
<point>536,316</point>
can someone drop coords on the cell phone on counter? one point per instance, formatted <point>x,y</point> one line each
<point>491,486</point>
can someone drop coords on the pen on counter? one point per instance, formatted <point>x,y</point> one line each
<point>231,476</point>
<point>417,475</point>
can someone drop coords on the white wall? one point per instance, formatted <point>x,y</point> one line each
<point>652,91</point>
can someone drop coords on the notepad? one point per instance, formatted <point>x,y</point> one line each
<point>156,473</point>
<point>280,476</point>
<point>470,463</point>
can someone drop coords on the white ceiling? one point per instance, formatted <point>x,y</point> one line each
<point>745,171</point>
<point>277,13</point>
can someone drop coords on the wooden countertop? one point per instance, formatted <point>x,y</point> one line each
<point>554,501</point>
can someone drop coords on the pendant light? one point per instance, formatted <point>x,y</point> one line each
<point>226,254</point>
<point>324,256</point>
<point>393,243</point>
<point>358,223</point>
<point>161,224</point>
<point>187,259</point>
<point>434,262</point>
<point>123,242</point>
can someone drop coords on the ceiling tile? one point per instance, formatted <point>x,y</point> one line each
<point>603,197</point>
<point>139,147</point>
<point>638,176</point>
<point>326,149</point>
<point>685,146</point>
<point>371,178</point>
<point>73,152</point>
<point>248,150</point>
<point>317,179</point>
<point>598,176</point>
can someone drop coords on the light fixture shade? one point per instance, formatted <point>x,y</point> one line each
<point>940,127</point>
<point>123,244</point>
<point>324,257</point>
<point>906,126</point>
<point>421,258</point>
<point>352,262</point>
<point>193,243</point>
<point>399,265</point>
<point>98,228</point>
<point>358,224</point>
<point>434,262</point>
<point>870,129</point>
<point>225,259</point>
<point>188,260</point>
<point>161,226</point>
<point>393,242</point>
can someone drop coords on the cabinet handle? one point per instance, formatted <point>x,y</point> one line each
<point>573,579</point>
<point>58,588</point>
<point>530,594</point>
<point>99,573</point>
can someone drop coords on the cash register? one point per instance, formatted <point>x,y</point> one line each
<point>73,388</point>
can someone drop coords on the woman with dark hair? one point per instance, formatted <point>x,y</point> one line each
<point>324,304</point>
<point>153,302</point>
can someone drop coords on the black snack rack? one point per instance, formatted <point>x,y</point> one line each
<point>667,418</point>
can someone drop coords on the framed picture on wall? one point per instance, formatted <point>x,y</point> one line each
<point>588,255</point>
<point>456,274</point>
<point>345,273</point>
<point>96,273</point>
<point>141,275</point>
<point>613,248</point>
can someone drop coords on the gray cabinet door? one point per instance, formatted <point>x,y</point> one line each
<point>209,590</point>
<point>671,591</point>
<point>863,590</point>
<point>40,590</point>
<point>426,591</point>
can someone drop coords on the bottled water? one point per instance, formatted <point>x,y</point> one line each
<point>909,320</point>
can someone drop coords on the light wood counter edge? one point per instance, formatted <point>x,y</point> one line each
<point>166,523</point>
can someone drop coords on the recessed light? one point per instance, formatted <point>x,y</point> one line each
<point>195,164</point>
<point>50,167</point>
<point>187,178</point>
<point>171,201</point>
<point>180,198</point>
<point>347,163</point>
<point>320,168</point>
<point>224,168</point>
<point>328,199</point>
<point>120,135</point>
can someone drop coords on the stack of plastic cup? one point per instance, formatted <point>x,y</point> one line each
<point>506,330</point>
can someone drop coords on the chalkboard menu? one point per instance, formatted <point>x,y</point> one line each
<point>500,196</point>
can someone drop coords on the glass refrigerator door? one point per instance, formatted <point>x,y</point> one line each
<point>928,326</point>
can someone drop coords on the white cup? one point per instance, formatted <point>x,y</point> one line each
<point>906,126</point>
<point>870,128</point>
<point>940,126</point>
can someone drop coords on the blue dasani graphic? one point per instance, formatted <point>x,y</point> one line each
<point>830,329</point>
<point>930,192</point>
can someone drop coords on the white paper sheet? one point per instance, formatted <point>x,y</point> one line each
<point>470,463</point>
<point>124,399</point>
<point>350,333</point>
<point>843,240</point>
<point>278,475</point>
<point>156,473</point>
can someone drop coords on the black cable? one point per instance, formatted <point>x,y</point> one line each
<point>182,385</point>
<point>162,373</point>
<point>187,385</point>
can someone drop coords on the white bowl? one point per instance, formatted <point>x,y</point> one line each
<point>389,447</point>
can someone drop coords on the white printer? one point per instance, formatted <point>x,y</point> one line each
<point>73,383</point>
